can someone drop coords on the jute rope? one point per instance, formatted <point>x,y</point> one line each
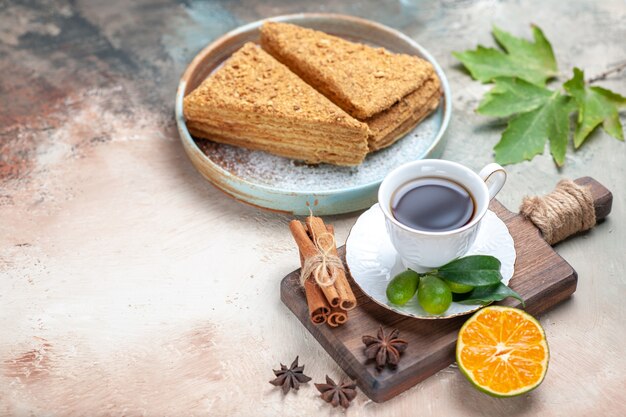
<point>565,211</point>
<point>319,265</point>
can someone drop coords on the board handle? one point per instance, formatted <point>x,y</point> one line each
<point>602,197</point>
<point>573,207</point>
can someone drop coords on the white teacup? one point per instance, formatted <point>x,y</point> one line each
<point>421,249</point>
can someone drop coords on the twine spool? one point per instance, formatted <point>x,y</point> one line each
<point>565,211</point>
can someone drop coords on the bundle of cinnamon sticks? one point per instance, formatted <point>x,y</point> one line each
<point>327,303</point>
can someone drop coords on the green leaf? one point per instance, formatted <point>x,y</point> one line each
<point>596,106</point>
<point>473,262</point>
<point>487,294</point>
<point>526,134</point>
<point>539,52</point>
<point>476,270</point>
<point>513,95</point>
<point>531,61</point>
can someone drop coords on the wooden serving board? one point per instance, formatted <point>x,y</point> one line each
<point>541,277</point>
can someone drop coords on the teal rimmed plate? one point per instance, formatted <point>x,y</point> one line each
<point>285,185</point>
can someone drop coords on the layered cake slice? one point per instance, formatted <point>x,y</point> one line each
<point>390,92</point>
<point>389,125</point>
<point>255,102</point>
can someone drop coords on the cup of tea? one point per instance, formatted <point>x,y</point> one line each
<point>433,209</point>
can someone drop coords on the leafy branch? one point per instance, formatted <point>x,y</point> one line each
<point>519,70</point>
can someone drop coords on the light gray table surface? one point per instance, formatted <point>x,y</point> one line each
<point>130,286</point>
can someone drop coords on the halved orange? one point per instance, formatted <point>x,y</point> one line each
<point>503,351</point>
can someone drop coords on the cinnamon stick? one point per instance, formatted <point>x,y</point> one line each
<point>346,295</point>
<point>318,308</point>
<point>337,317</point>
<point>315,298</point>
<point>307,247</point>
<point>347,300</point>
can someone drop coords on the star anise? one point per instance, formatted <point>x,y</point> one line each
<point>290,377</point>
<point>334,394</point>
<point>385,348</point>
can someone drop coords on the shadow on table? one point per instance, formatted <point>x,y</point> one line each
<point>464,394</point>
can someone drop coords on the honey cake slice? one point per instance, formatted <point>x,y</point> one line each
<point>254,101</point>
<point>360,79</point>
<point>390,125</point>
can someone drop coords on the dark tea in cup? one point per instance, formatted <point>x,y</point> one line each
<point>433,204</point>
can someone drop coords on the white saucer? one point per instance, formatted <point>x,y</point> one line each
<point>373,261</point>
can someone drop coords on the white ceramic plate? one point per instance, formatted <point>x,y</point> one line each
<point>373,261</point>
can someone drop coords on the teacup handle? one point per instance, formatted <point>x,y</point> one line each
<point>495,177</point>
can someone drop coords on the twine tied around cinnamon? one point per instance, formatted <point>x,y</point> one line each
<point>318,265</point>
<point>565,211</point>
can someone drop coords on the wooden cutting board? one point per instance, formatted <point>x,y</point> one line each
<point>541,277</point>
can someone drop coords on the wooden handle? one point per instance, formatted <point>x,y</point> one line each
<point>602,197</point>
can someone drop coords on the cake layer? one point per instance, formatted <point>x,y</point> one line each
<point>304,136</point>
<point>360,79</point>
<point>227,117</point>
<point>295,138</point>
<point>402,115</point>
<point>403,128</point>
<point>299,135</point>
<point>309,152</point>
